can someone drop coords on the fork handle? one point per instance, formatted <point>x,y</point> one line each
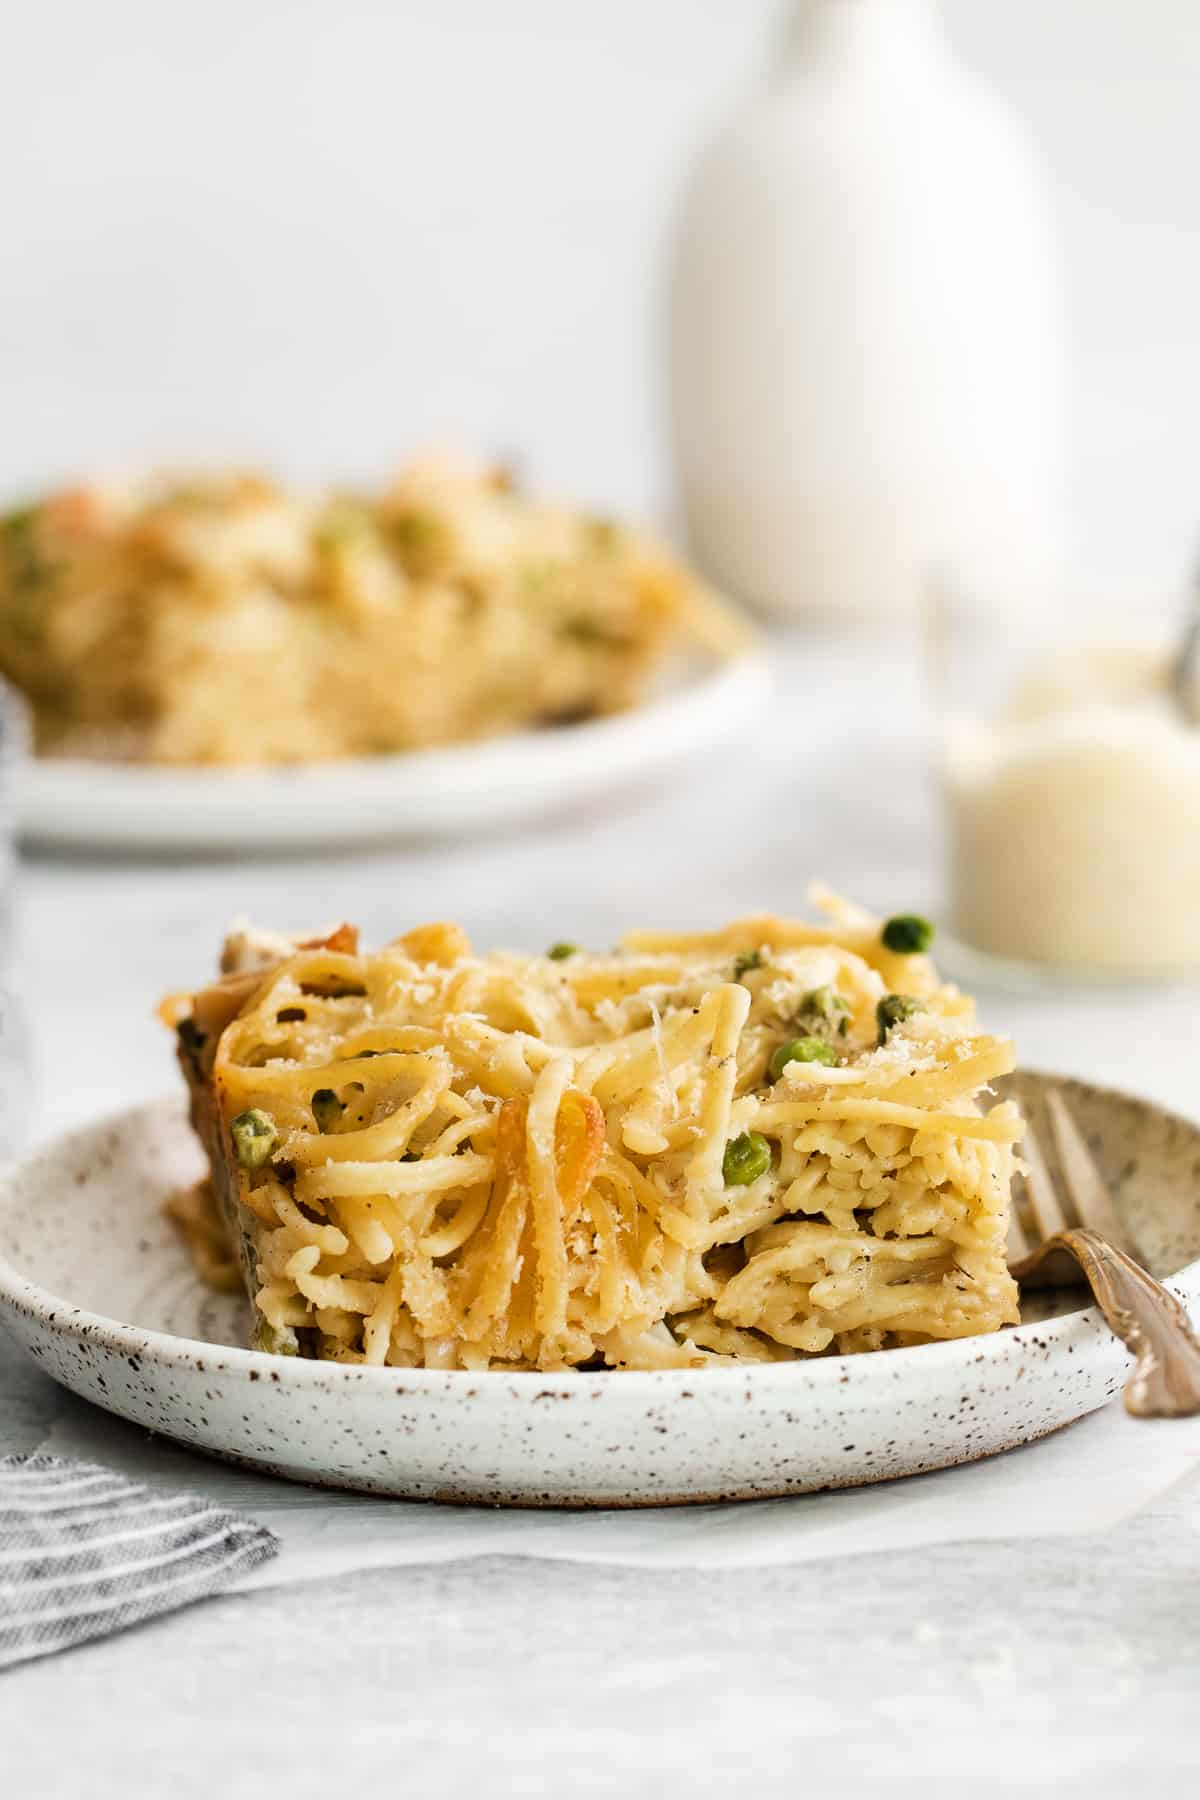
<point>1165,1383</point>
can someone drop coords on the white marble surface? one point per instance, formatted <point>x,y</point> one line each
<point>1065,1667</point>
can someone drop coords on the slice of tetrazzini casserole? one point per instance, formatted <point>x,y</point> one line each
<point>753,1144</point>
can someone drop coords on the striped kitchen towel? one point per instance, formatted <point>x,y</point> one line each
<point>84,1552</point>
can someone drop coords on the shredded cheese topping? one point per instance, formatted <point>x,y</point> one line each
<point>524,1160</point>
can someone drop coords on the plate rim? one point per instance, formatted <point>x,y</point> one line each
<point>59,1314</point>
<point>694,710</point>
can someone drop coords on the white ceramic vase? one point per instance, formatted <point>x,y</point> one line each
<point>866,369</point>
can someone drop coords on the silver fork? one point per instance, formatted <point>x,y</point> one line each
<point>1058,1230</point>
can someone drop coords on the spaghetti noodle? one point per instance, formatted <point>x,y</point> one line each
<point>728,1146</point>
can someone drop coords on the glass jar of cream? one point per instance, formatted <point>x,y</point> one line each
<point>1071,809</point>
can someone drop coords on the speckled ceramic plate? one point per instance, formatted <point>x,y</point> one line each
<point>445,792</point>
<point>97,1286</point>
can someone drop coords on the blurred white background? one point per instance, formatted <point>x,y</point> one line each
<point>323,232</point>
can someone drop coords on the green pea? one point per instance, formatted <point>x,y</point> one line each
<point>275,1343</point>
<point>422,539</point>
<point>801,1049</point>
<point>824,1003</point>
<point>907,934</point>
<point>327,1109</point>
<point>744,961</point>
<point>560,952</point>
<point>584,630</point>
<point>823,1014</point>
<point>19,522</point>
<point>28,569</point>
<point>894,1008</point>
<point>746,1158</point>
<point>254,1137</point>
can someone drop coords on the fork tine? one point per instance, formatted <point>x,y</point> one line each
<point>1048,1216</point>
<point>1019,1242</point>
<point>1085,1186</point>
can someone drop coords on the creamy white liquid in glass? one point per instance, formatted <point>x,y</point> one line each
<point>1073,821</point>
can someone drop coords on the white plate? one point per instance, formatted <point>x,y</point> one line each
<point>443,792</point>
<point>96,1285</point>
